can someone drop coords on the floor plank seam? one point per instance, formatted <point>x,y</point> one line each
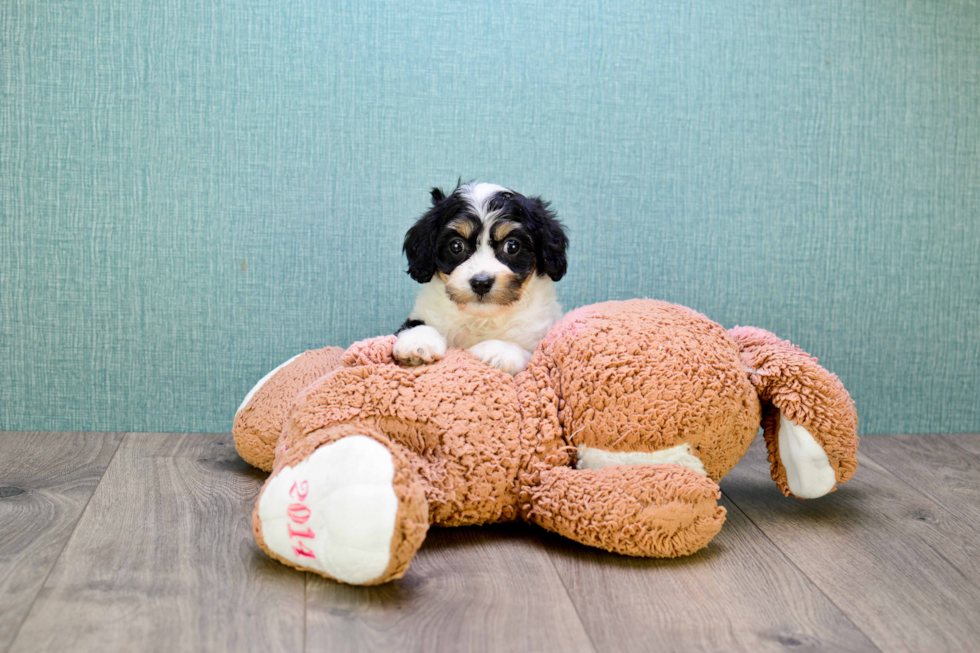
<point>81,515</point>
<point>803,573</point>
<point>958,446</point>
<point>585,628</point>
<point>924,494</point>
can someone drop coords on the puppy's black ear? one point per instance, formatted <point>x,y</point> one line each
<point>437,196</point>
<point>420,245</point>
<point>549,235</point>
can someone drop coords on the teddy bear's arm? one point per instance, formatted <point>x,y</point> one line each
<point>659,511</point>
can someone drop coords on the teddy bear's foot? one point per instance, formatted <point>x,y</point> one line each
<point>337,513</point>
<point>658,511</point>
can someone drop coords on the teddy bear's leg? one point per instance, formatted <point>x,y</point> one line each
<point>808,418</point>
<point>350,506</point>
<point>261,416</point>
<point>659,511</point>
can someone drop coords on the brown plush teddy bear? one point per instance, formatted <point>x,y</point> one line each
<point>615,436</point>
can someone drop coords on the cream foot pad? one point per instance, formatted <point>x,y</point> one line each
<point>335,511</point>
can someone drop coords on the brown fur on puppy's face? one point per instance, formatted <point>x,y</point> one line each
<point>486,243</point>
<point>508,290</point>
<point>495,264</point>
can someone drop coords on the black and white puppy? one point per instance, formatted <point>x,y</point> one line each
<point>488,258</point>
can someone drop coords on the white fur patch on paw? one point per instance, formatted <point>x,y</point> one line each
<point>334,511</point>
<point>682,454</point>
<point>262,382</point>
<point>505,356</point>
<point>808,471</point>
<point>419,345</point>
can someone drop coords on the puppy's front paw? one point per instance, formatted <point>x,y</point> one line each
<point>419,345</point>
<point>505,356</point>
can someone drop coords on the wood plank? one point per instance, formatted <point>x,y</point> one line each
<point>46,479</point>
<point>967,441</point>
<point>935,466</point>
<point>468,589</point>
<point>163,559</point>
<point>738,594</point>
<point>902,567</point>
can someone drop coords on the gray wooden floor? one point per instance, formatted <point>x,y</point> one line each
<point>128,542</point>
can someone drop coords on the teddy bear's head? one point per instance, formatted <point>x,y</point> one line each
<point>644,376</point>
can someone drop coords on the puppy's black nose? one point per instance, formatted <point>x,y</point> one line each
<point>481,284</point>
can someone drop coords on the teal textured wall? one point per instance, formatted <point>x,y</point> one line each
<point>191,192</point>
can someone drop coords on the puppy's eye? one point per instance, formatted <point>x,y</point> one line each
<point>512,247</point>
<point>456,246</point>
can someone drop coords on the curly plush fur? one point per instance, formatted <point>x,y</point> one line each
<point>462,443</point>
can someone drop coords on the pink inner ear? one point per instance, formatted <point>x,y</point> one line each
<point>371,351</point>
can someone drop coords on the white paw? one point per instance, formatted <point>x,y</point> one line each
<point>808,471</point>
<point>419,345</point>
<point>334,511</point>
<point>505,356</point>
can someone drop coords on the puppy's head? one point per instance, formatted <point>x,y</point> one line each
<point>485,242</point>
